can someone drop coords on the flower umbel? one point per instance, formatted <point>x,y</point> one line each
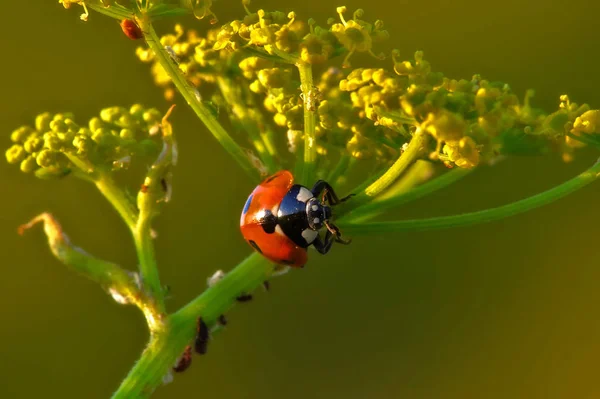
<point>56,145</point>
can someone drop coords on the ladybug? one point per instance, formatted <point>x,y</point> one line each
<point>281,219</point>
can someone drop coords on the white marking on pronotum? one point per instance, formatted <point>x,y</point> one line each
<point>314,207</point>
<point>304,195</point>
<point>317,221</point>
<point>215,278</point>
<point>279,231</point>
<point>309,235</point>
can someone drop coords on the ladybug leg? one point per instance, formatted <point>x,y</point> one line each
<point>202,337</point>
<point>333,229</point>
<point>333,199</point>
<point>324,189</point>
<point>347,197</point>
<point>324,246</point>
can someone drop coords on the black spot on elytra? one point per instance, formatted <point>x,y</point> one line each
<point>255,246</point>
<point>268,222</point>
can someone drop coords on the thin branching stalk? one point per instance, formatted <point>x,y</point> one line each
<point>141,236</point>
<point>413,151</point>
<point>193,99</point>
<point>232,93</point>
<point>120,284</point>
<point>340,168</point>
<point>308,164</point>
<point>117,198</point>
<point>378,207</point>
<point>468,219</point>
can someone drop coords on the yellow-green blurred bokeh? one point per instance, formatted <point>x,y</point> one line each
<point>504,310</point>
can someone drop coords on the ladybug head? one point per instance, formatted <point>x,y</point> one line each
<point>317,214</point>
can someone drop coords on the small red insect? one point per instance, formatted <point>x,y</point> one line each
<point>281,219</point>
<point>131,29</point>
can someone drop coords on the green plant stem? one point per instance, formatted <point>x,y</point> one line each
<point>180,328</point>
<point>141,237</point>
<point>117,199</point>
<point>192,97</point>
<point>144,247</point>
<point>379,206</point>
<point>416,174</point>
<point>117,282</point>
<point>411,154</point>
<point>341,168</point>
<point>413,151</point>
<point>232,93</point>
<point>307,171</point>
<point>467,219</point>
<point>398,117</point>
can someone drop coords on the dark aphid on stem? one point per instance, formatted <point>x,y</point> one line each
<point>202,337</point>
<point>184,361</point>
<point>131,29</point>
<point>281,219</point>
<point>244,298</point>
<point>222,320</point>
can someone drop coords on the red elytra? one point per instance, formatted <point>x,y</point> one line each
<point>131,29</point>
<point>275,246</point>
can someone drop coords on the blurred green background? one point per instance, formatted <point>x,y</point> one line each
<point>507,309</point>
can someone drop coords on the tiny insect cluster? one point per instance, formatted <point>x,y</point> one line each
<point>203,331</point>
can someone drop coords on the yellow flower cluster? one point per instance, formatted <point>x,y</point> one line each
<point>57,144</point>
<point>366,112</point>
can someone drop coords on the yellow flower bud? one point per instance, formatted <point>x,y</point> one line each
<point>588,123</point>
<point>15,154</point>
<point>445,126</point>
<point>28,165</point>
<point>42,122</point>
